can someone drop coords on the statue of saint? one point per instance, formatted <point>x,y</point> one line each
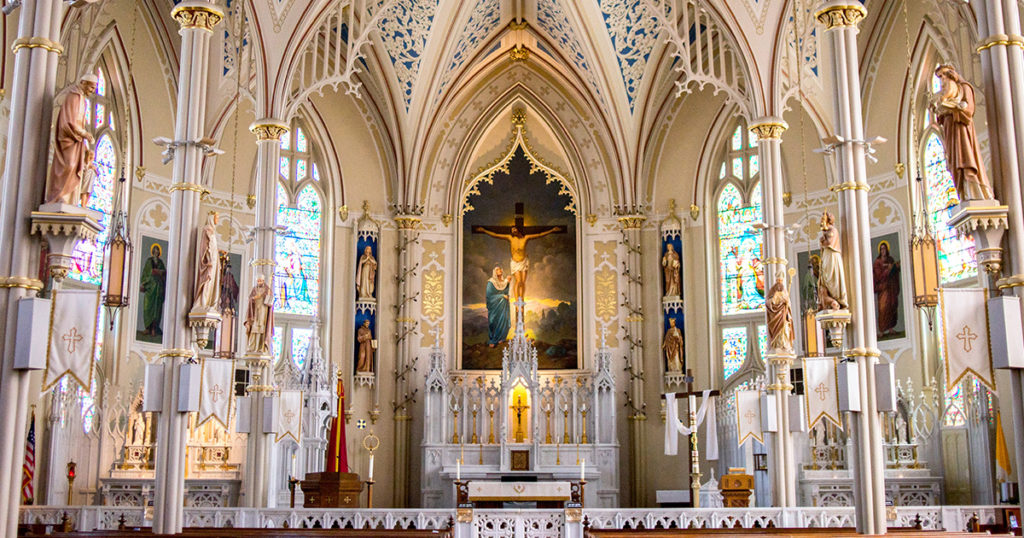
<point>670,266</point>
<point>831,276</point>
<point>259,321</point>
<point>673,347</point>
<point>138,430</point>
<point>780,316</point>
<point>499,319</point>
<point>366,275</point>
<point>207,292</point>
<point>364,341</point>
<point>954,113</point>
<point>228,286</point>
<point>72,144</point>
<point>88,177</point>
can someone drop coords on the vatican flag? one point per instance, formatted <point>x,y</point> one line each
<point>215,391</point>
<point>748,416</point>
<point>71,346</point>
<point>289,415</point>
<point>965,335</point>
<point>821,386</point>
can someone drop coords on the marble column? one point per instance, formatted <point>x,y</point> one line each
<point>408,221</point>
<point>197,18</point>
<point>1002,64</point>
<point>256,481</point>
<point>840,19</point>
<point>632,222</point>
<point>769,132</point>
<point>36,51</point>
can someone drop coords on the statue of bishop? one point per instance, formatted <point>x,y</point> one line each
<point>831,275</point>
<point>954,114</point>
<point>259,320</point>
<point>72,145</point>
<point>207,291</point>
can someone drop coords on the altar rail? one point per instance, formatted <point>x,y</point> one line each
<point>517,523</point>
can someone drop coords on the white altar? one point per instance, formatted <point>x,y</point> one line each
<point>519,423</point>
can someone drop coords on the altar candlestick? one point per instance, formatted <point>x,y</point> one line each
<point>371,468</point>
<point>458,470</point>
<point>583,469</point>
<point>294,467</point>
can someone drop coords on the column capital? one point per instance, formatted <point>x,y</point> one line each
<point>268,129</point>
<point>36,43</point>
<point>406,221</point>
<point>840,13</point>
<point>196,14</point>
<point>633,221</point>
<point>768,128</point>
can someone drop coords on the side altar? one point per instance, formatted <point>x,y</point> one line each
<point>520,425</point>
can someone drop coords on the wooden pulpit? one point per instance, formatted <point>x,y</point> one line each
<point>736,488</point>
<point>331,490</point>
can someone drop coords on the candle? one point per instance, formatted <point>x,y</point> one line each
<point>458,470</point>
<point>583,470</point>
<point>371,467</point>
<point>294,468</point>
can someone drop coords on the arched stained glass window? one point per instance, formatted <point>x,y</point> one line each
<point>734,350</point>
<point>956,255</point>
<point>739,249</point>
<point>297,280</point>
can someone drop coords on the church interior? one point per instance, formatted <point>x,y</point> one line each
<point>494,268</point>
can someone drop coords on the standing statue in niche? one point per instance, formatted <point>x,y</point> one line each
<point>954,108</point>
<point>673,347</point>
<point>364,341</point>
<point>831,276</point>
<point>259,321</point>
<point>366,275</point>
<point>670,266</point>
<point>228,286</point>
<point>780,316</point>
<point>72,145</point>
<point>207,291</point>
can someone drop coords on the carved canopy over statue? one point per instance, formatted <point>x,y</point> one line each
<point>72,146</point>
<point>954,108</point>
<point>832,276</point>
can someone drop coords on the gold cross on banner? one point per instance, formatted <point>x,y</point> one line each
<point>967,337</point>
<point>750,417</point>
<point>288,416</point>
<point>215,392</point>
<point>73,337</point>
<point>822,390</point>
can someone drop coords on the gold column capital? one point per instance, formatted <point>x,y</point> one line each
<point>632,222</point>
<point>840,13</point>
<point>407,222</point>
<point>36,43</point>
<point>268,129</point>
<point>769,129</point>
<point>197,15</point>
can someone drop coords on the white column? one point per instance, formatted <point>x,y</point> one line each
<point>769,132</point>
<point>632,222</point>
<point>256,482</point>
<point>36,51</point>
<point>197,19</point>
<point>408,221</point>
<point>840,18</point>
<point>1002,63</point>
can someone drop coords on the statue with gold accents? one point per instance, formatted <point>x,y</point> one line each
<point>953,109</point>
<point>831,275</point>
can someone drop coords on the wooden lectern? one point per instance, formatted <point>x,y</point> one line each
<point>331,490</point>
<point>736,488</point>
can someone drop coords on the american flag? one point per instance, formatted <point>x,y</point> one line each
<point>29,469</point>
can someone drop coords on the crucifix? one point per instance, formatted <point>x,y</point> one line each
<point>519,407</point>
<point>517,236</point>
<point>691,404</point>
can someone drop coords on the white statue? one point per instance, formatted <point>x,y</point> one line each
<point>366,275</point>
<point>207,291</point>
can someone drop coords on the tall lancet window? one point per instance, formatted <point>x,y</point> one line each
<point>298,250</point>
<point>956,255</point>
<point>740,273</point>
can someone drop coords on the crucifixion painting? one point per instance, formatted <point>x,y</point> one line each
<point>518,235</point>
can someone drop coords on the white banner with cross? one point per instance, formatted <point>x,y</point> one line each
<point>748,416</point>
<point>215,391</point>
<point>289,418</point>
<point>71,346</point>
<point>965,339</point>
<point>821,385</point>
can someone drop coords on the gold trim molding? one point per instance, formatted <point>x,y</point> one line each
<point>769,130</point>
<point>407,222</point>
<point>1001,40</point>
<point>23,282</point>
<point>632,222</point>
<point>268,130</point>
<point>36,43</point>
<point>841,15</point>
<point>197,16</point>
<point>177,352</point>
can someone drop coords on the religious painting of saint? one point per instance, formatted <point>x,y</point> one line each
<point>152,291</point>
<point>885,271</point>
<point>519,242</point>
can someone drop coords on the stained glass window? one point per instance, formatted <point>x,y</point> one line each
<point>955,415</point>
<point>737,139</point>
<point>300,140</point>
<point>762,339</point>
<point>301,339</point>
<point>734,350</point>
<point>739,244</point>
<point>297,280</point>
<point>277,343</point>
<point>956,255</point>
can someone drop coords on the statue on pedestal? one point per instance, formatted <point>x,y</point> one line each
<point>364,340</point>
<point>72,145</point>
<point>207,290</point>
<point>670,266</point>
<point>831,275</point>
<point>673,347</point>
<point>259,321</point>
<point>366,275</point>
<point>780,316</point>
<point>228,286</point>
<point>954,114</point>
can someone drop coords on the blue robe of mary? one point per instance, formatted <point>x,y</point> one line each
<point>499,319</point>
